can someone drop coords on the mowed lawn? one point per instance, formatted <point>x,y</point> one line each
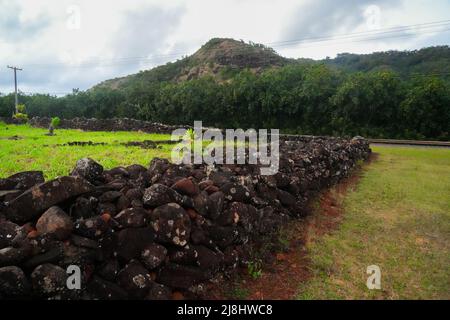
<point>33,150</point>
<point>398,218</point>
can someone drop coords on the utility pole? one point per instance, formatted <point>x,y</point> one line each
<point>15,85</point>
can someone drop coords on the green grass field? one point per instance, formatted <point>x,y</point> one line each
<point>35,151</point>
<point>398,217</point>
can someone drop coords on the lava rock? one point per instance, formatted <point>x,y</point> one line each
<point>186,186</point>
<point>181,277</point>
<point>108,208</point>
<point>286,198</point>
<point>201,202</point>
<point>236,192</point>
<point>134,194</point>
<point>92,228</point>
<point>185,256</point>
<point>8,231</point>
<point>105,290</point>
<point>153,256</point>
<point>8,195</point>
<point>109,270</point>
<point>135,279</point>
<point>88,169</point>
<point>55,222</point>
<point>231,215</point>
<point>7,184</point>
<point>11,256</point>
<point>132,241</point>
<point>208,259</point>
<point>39,198</point>
<point>132,218</point>
<point>84,242</point>
<point>83,208</point>
<point>135,170</point>
<point>220,178</point>
<point>13,283</point>
<point>171,224</point>
<point>48,280</point>
<point>53,255</point>
<point>159,194</point>
<point>122,203</point>
<point>109,196</point>
<point>159,292</point>
<point>215,204</point>
<point>23,180</point>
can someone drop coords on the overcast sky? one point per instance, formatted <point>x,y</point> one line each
<point>75,44</point>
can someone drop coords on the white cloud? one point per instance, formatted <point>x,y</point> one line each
<point>35,35</point>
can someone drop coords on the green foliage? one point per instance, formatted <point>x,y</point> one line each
<point>21,108</point>
<point>254,269</point>
<point>302,96</point>
<point>21,116</point>
<point>55,122</point>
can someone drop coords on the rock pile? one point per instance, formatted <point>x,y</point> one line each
<point>114,124</point>
<point>152,232</point>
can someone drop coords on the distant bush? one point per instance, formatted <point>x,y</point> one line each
<point>55,122</point>
<point>21,116</point>
<point>21,109</point>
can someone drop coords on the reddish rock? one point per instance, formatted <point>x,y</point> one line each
<point>186,186</point>
<point>55,222</point>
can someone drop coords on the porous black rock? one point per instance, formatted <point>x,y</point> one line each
<point>153,256</point>
<point>39,198</point>
<point>48,280</point>
<point>172,224</point>
<point>132,241</point>
<point>88,169</point>
<point>132,218</point>
<point>13,283</point>
<point>135,279</point>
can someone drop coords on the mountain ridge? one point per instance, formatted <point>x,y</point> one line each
<point>221,58</point>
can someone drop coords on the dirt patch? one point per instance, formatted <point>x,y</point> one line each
<point>290,267</point>
<point>12,137</point>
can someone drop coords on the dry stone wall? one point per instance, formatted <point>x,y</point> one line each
<point>114,124</point>
<point>147,232</point>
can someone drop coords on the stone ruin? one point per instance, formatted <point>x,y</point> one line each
<point>149,232</point>
<point>112,124</point>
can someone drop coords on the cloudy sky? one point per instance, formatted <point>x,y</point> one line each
<point>65,44</point>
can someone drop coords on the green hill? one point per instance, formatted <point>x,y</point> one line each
<point>223,58</point>
<point>432,60</point>
<point>219,57</point>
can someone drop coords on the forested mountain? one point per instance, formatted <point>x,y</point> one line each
<point>229,83</point>
<point>224,58</point>
<point>219,57</point>
<point>432,60</point>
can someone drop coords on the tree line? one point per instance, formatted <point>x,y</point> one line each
<point>316,99</point>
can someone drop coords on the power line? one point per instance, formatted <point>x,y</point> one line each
<point>370,35</point>
<point>370,32</point>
